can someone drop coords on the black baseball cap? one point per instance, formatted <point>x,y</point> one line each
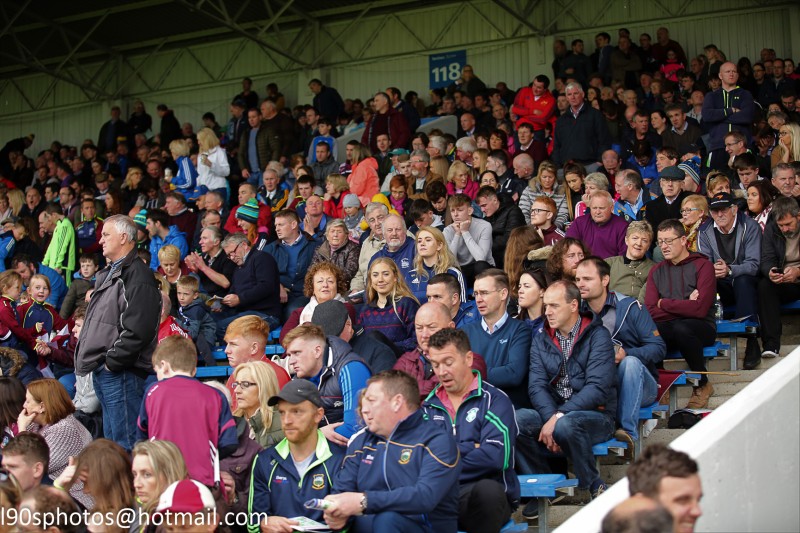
<point>721,200</point>
<point>297,391</point>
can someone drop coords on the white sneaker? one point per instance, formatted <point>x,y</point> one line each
<point>769,354</point>
<point>648,427</point>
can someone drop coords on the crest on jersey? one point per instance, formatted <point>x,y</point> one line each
<point>405,456</point>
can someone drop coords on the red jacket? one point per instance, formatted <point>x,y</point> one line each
<point>363,180</point>
<point>525,104</point>
<point>335,208</point>
<point>9,324</point>
<point>264,219</point>
<point>392,122</point>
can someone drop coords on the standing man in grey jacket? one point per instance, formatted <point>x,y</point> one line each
<point>119,332</point>
<point>733,244</point>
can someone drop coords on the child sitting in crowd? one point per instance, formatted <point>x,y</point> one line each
<point>83,280</point>
<point>43,323</point>
<point>353,216</point>
<point>12,334</point>
<point>195,318</point>
<point>168,326</point>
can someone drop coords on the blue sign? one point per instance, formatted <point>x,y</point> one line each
<point>445,68</point>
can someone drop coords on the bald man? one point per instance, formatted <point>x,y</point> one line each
<point>430,318</point>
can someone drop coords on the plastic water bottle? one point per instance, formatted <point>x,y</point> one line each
<point>318,504</point>
<point>718,309</point>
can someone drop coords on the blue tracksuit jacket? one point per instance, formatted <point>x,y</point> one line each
<point>277,489</point>
<point>485,430</point>
<point>413,472</point>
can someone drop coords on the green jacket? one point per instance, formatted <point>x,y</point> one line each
<point>629,278</point>
<point>62,251</point>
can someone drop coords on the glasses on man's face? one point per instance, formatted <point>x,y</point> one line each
<point>536,211</point>
<point>668,242</point>
<point>687,210</point>
<point>485,294</point>
<point>243,384</point>
<point>233,252</point>
<point>373,220</point>
<point>731,145</point>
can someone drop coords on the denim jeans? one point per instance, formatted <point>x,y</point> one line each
<point>120,394</point>
<point>575,433</point>
<point>637,388</point>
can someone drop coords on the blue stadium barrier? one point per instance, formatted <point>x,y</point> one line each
<point>210,372</point>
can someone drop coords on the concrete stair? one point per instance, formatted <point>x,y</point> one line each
<point>613,469</point>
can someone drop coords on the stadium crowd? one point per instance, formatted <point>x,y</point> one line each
<point>454,310</point>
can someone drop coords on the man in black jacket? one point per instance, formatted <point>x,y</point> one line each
<point>668,204</point>
<point>503,218</point>
<point>780,270</point>
<point>326,99</point>
<point>119,333</point>
<point>581,133</point>
<point>254,286</point>
<point>170,127</point>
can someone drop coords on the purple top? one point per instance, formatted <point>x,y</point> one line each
<point>604,241</point>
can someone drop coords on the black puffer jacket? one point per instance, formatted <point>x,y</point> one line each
<point>121,321</point>
<point>503,222</point>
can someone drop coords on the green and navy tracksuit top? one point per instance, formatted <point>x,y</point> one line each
<point>485,430</point>
<point>277,489</point>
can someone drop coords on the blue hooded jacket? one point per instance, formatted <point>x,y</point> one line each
<point>175,237</point>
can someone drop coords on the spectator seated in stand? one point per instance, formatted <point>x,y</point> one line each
<point>254,286</point>
<point>602,232</point>
<point>293,252</point>
<point>431,318</point>
<point>389,306</point>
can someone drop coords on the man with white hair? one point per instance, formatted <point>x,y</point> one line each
<point>581,134</point>
<point>465,147</point>
<point>602,232</point>
<point>375,213</point>
<point>399,248</point>
<point>119,333</point>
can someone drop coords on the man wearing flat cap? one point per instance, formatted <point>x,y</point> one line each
<point>337,371</point>
<point>299,468</point>
<point>668,204</point>
<point>733,244</point>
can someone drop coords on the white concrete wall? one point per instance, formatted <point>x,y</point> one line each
<point>748,451</point>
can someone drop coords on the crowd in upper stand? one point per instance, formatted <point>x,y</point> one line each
<point>516,285</point>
